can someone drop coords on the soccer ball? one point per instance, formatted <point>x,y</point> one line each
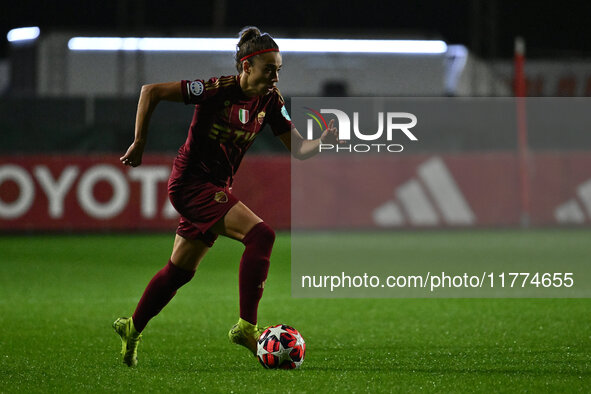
<point>281,346</point>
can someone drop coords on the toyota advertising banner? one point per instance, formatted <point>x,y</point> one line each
<point>70,192</point>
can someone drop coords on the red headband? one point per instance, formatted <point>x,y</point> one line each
<point>258,53</point>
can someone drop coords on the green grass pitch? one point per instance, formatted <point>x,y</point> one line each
<point>60,294</point>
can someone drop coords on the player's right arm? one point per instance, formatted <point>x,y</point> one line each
<point>150,96</point>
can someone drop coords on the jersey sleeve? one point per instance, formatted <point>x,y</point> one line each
<point>279,119</point>
<point>199,91</point>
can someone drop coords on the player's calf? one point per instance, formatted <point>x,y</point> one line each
<point>254,268</point>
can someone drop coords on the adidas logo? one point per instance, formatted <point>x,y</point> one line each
<point>571,211</point>
<point>433,198</point>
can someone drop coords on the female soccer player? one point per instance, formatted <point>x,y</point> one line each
<point>229,113</point>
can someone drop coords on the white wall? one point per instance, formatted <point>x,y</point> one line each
<point>110,73</point>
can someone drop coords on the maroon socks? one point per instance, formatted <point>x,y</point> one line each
<point>159,292</point>
<point>253,271</point>
<point>254,268</point>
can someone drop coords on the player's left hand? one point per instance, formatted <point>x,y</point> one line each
<point>331,134</point>
<point>133,156</point>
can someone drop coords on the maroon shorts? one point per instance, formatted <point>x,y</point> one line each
<point>201,205</point>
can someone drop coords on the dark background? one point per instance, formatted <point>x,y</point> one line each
<point>552,29</point>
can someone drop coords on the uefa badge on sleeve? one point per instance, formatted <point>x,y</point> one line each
<point>285,113</point>
<point>196,88</point>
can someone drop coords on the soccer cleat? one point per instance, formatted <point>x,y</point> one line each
<point>130,339</point>
<point>245,334</point>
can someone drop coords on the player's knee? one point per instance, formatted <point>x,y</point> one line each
<point>260,234</point>
<point>267,234</point>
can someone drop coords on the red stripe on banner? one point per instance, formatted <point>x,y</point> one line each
<point>483,190</point>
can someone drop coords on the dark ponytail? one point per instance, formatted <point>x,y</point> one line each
<point>251,41</point>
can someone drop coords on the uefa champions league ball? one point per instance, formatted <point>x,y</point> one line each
<point>282,347</point>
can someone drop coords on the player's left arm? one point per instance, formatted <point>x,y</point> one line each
<point>301,148</point>
<point>150,96</point>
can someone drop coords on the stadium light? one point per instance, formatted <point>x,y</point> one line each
<point>229,45</point>
<point>23,34</point>
<point>362,46</point>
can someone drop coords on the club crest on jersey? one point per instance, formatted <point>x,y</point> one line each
<point>243,115</point>
<point>261,117</point>
<point>220,197</point>
<point>196,88</point>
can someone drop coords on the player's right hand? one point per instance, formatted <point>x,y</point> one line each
<point>133,156</point>
<point>331,134</point>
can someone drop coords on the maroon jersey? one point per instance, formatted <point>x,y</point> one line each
<point>224,126</point>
